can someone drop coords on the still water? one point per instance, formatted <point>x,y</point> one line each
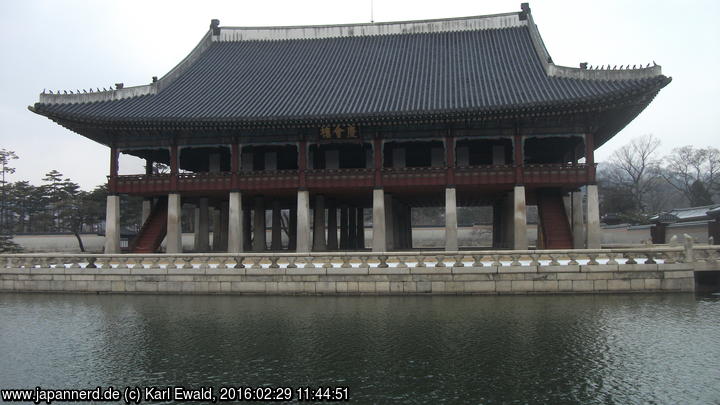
<point>585,349</point>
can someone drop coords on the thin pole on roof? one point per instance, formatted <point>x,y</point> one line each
<point>372,11</point>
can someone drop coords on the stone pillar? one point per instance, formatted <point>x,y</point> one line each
<point>396,228</point>
<point>216,239</point>
<point>451,231</point>
<point>520,241</point>
<point>235,223</point>
<point>174,224</point>
<point>146,208</point>
<point>259,225</point>
<point>112,224</point>
<point>578,227</point>
<point>332,237</point>
<point>276,241</point>
<point>352,228</point>
<point>319,244</point>
<point>247,230</point>
<point>196,226</point>
<point>202,233</point>
<point>593,218</point>
<point>223,226</point>
<point>360,233</point>
<point>344,232</point>
<point>408,227</point>
<point>389,223</point>
<point>498,236</point>
<point>379,241</point>
<point>292,229</point>
<point>303,221</point>
<point>508,222</point>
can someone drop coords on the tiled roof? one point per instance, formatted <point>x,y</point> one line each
<point>339,73</point>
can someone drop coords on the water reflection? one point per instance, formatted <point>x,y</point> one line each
<point>600,349</point>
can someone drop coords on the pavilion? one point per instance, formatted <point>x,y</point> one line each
<point>321,123</point>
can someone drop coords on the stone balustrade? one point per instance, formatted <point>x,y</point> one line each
<point>414,272</point>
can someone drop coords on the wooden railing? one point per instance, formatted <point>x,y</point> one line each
<point>536,175</point>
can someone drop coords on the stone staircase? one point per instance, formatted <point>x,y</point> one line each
<point>153,230</point>
<point>556,232</point>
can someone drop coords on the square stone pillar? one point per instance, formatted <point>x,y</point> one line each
<point>259,225</point>
<point>196,226</point>
<point>247,229</point>
<point>451,225</point>
<point>594,236</point>
<point>174,224</point>
<point>352,228</point>
<point>223,227</point>
<point>578,227</point>
<point>379,241</point>
<point>276,238</point>
<point>520,240</point>
<point>292,229</point>
<point>235,223</point>
<point>498,226</point>
<point>389,223</point>
<point>332,237</point>
<point>360,233</point>
<point>202,232</point>
<point>344,231</point>
<point>112,224</point>
<point>319,244</point>
<point>303,221</point>
<point>215,216</point>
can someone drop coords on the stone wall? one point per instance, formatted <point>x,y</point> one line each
<point>488,279</point>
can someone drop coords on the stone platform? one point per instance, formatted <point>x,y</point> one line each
<point>478,272</point>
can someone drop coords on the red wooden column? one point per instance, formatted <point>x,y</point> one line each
<point>518,160</point>
<point>234,165</point>
<point>450,158</point>
<point>302,164</point>
<point>378,160</point>
<point>114,155</point>
<point>174,167</point>
<point>590,157</point>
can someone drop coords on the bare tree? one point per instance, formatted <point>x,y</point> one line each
<point>636,169</point>
<point>694,172</point>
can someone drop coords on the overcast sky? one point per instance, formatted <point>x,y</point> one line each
<point>83,44</point>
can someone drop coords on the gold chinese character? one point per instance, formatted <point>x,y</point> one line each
<point>338,131</point>
<point>351,131</point>
<point>325,132</point>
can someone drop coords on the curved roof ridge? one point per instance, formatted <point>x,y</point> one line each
<point>275,33</point>
<point>583,73</point>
